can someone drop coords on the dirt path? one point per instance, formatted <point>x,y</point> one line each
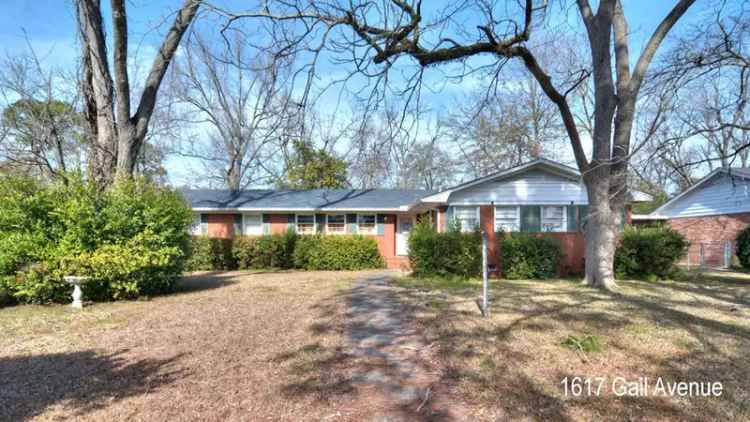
<point>398,375</point>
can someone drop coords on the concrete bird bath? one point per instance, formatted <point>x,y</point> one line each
<point>76,281</point>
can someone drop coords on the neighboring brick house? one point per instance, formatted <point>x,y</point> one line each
<point>539,196</point>
<point>710,215</point>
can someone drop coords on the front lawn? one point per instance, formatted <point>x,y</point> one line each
<point>272,346</point>
<point>512,365</point>
<point>228,346</point>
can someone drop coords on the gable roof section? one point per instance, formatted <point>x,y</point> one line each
<point>555,167</point>
<point>546,164</point>
<point>742,172</point>
<point>303,200</point>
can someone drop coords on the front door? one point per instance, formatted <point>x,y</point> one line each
<point>404,225</point>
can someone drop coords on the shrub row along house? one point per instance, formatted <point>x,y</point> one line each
<point>710,215</point>
<point>539,196</point>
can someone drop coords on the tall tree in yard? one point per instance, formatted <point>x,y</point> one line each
<point>373,36</point>
<point>118,134</point>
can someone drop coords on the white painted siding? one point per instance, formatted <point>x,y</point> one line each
<point>723,194</point>
<point>536,187</point>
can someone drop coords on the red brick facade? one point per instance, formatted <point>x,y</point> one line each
<point>222,226</point>
<point>712,232</point>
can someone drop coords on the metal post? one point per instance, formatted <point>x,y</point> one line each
<point>702,257</point>
<point>485,309</point>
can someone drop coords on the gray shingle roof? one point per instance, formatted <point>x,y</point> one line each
<point>315,199</point>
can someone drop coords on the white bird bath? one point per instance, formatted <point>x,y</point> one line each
<point>76,281</point>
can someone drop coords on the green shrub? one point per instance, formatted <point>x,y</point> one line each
<point>271,251</point>
<point>130,238</point>
<point>525,256</point>
<point>743,248</point>
<point>649,252</point>
<point>211,254</point>
<point>6,294</point>
<point>337,253</point>
<point>444,254</point>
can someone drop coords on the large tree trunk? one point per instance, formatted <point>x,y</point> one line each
<point>600,234</point>
<point>118,135</point>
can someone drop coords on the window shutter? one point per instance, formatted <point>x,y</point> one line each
<point>449,223</point>
<point>582,212</point>
<point>351,223</point>
<point>238,225</point>
<point>381,224</point>
<point>290,222</point>
<point>320,223</point>
<point>204,224</point>
<point>266,224</point>
<point>531,219</point>
<point>572,218</point>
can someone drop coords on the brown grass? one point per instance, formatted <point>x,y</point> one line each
<point>270,346</point>
<point>228,346</point>
<point>510,366</point>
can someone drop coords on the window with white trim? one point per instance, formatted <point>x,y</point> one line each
<point>305,223</point>
<point>196,226</point>
<point>554,218</point>
<point>366,223</point>
<point>467,218</point>
<point>253,224</point>
<point>508,219</point>
<point>336,223</point>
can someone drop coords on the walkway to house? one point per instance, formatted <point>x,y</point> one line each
<point>398,373</point>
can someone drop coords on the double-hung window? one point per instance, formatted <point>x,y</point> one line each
<point>554,219</point>
<point>366,224</point>
<point>305,223</point>
<point>467,218</point>
<point>253,225</point>
<point>507,219</point>
<point>336,223</point>
<point>199,227</point>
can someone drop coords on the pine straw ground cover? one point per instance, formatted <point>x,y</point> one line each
<point>229,346</point>
<point>510,366</point>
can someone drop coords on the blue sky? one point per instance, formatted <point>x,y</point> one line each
<point>50,28</point>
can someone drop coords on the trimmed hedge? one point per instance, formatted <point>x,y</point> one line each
<point>272,251</point>
<point>286,251</point>
<point>743,248</point>
<point>211,254</point>
<point>525,256</point>
<point>443,254</point>
<point>649,252</point>
<point>337,253</point>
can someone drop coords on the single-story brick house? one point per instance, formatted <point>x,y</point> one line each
<point>539,196</point>
<point>710,214</point>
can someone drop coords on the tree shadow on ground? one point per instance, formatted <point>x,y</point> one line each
<point>209,280</point>
<point>512,379</point>
<point>84,381</point>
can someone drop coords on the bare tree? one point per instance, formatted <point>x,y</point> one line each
<point>118,133</point>
<point>41,129</point>
<point>244,98</point>
<point>515,124</point>
<point>377,34</point>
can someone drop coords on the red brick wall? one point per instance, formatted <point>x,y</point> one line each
<point>279,223</point>
<point>221,225</point>
<point>442,223</point>
<point>387,244</point>
<point>712,231</point>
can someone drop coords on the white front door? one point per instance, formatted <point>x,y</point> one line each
<point>404,225</point>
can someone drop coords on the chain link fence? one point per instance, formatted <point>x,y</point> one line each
<point>710,254</point>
